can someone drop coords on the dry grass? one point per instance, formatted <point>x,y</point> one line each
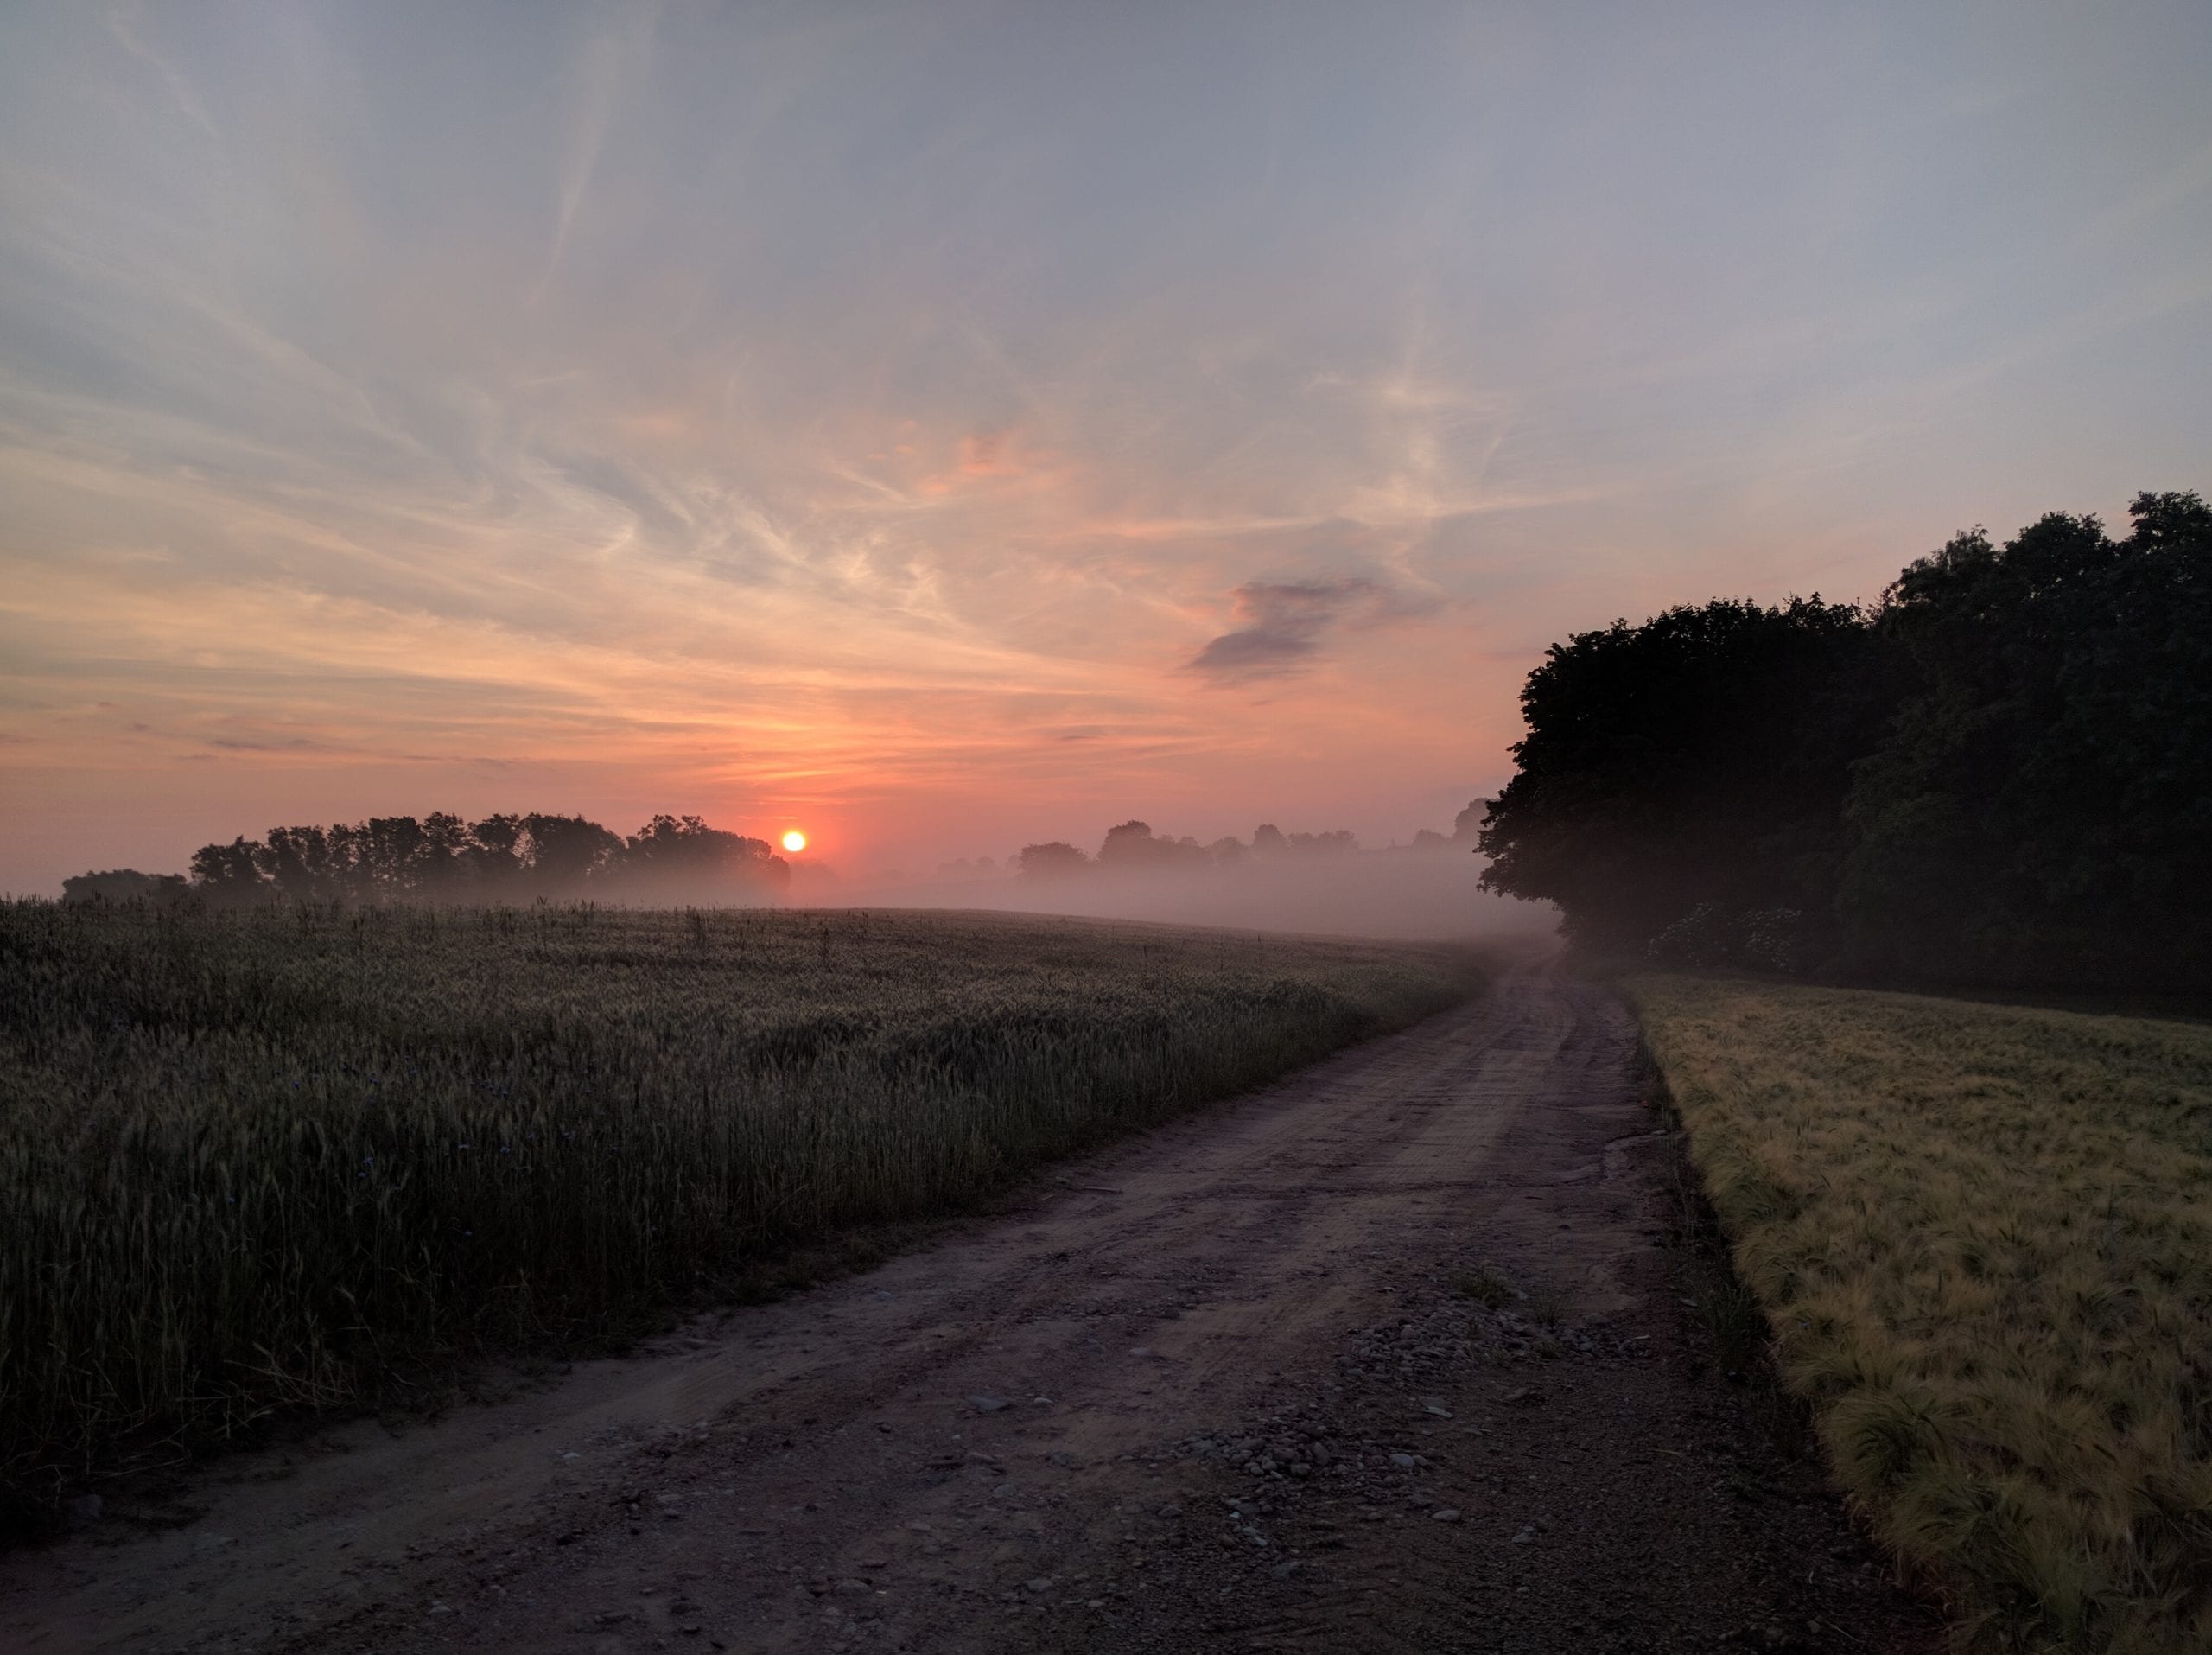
<point>1982,1236</point>
<point>1485,1285</point>
<point>259,1160</point>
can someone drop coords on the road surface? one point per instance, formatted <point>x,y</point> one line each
<point>1397,1354</point>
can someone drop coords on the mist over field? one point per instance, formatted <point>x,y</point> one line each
<point>1413,894</point>
<point>1319,883</point>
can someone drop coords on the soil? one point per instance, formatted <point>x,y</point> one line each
<point>1408,1353</point>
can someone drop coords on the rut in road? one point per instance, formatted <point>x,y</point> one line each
<point>1211,1389</point>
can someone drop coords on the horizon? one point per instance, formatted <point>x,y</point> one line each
<point>939,434</point>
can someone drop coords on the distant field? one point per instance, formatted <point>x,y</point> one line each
<point>258,1159</point>
<point>1983,1235</point>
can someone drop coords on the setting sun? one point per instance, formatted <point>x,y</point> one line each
<point>794,840</point>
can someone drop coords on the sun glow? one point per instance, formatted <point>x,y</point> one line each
<point>794,840</point>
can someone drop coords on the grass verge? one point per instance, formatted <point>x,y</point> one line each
<point>1982,1237</point>
<point>260,1160</point>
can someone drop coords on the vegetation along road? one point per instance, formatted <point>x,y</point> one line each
<point>1393,1355</point>
<point>1984,1236</point>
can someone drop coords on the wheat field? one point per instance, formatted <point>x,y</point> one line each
<point>1982,1235</point>
<point>261,1160</point>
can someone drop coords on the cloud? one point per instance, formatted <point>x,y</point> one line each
<point>124,23</point>
<point>608,64</point>
<point>989,459</point>
<point>290,744</point>
<point>1286,621</point>
<point>882,426</point>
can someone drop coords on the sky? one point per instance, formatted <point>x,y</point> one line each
<point>942,428</point>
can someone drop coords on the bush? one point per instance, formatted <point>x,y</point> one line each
<point>1762,939</point>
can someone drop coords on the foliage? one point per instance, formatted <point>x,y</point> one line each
<point>2047,797</point>
<point>673,858</point>
<point>1054,861</point>
<point>266,1155</point>
<point>123,885</point>
<point>1484,1284</point>
<point>1133,847</point>
<point>2002,774</point>
<point>1982,1235</point>
<point>442,858</point>
<point>1761,940</point>
<point>1701,757</point>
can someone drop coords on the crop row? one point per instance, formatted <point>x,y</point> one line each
<point>251,1161</point>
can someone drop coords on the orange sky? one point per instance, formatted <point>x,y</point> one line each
<point>975,428</point>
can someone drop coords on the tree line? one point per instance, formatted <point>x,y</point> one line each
<point>1134,847</point>
<point>2000,771</point>
<point>442,858</point>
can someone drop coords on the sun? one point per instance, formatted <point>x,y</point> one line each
<point>794,840</point>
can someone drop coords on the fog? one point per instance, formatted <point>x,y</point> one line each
<point>1429,894</point>
<point>1315,884</point>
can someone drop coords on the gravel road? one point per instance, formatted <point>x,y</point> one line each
<point>1404,1353</point>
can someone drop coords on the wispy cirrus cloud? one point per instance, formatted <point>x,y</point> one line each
<point>1284,625</point>
<point>900,412</point>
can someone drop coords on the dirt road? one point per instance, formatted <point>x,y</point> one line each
<point>1233,1385</point>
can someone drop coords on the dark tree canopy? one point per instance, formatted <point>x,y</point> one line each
<point>443,858</point>
<point>2046,798</point>
<point>1133,848</point>
<point>1133,844</point>
<point>2002,774</point>
<point>1054,859</point>
<point>678,858</point>
<point>123,885</point>
<point>1701,757</point>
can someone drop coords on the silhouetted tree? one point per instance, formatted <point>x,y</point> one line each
<point>226,872</point>
<point>1267,841</point>
<point>442,858</point>
<point>495,858</point>
<point>123,885</point>
<point>2043,806</point>
<point>1133,844</point>
<point>561,854</point>
<point>2003,774</point>
<point>445,862</point>
<point>1701,757</point>
<point>1055,859</point>
<point>680,858</point>
<point>390,855</point>
<point>1130,846</point>
<point>297,863</point>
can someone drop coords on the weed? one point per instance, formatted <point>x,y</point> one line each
<point>1483,1285</point>
<point>1737,1327</point>
<point>1547,1304</point>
